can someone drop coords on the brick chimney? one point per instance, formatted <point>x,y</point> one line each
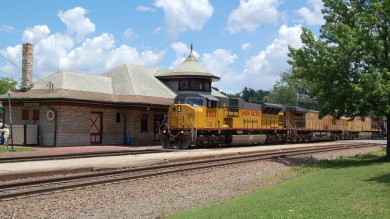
<point>27,66</point>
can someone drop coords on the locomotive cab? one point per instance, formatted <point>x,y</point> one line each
<point>185,117</point>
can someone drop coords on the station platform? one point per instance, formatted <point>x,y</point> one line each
<point>28,169</point>
<point>50,151</point>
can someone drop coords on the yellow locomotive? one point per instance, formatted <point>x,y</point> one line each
<point>202,122</point>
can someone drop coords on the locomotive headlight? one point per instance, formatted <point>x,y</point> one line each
<point>164,131</point>
<point>182,132</point>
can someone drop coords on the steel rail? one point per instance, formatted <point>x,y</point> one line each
<point>27,188</point>
<point>81,155</point>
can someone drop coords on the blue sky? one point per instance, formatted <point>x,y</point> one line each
<point>243,42</point>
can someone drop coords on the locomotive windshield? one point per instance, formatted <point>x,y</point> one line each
<point>198,101</point>
<point>193,101</point>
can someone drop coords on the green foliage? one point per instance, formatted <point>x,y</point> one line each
<point>7,84</point>
<point>250,95</point>
<point>285,90</point>
<point>347,68</point>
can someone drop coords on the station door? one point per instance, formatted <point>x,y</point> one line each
<point>96,127</point>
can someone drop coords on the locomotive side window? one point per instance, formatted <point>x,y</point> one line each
<point>211,104</point>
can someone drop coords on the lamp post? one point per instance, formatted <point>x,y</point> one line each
<point>10,120</point>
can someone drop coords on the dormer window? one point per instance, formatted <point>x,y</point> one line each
<point>195,85</point>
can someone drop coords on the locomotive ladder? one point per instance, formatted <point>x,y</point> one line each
<point>194,130</point>
<point>290,129</point>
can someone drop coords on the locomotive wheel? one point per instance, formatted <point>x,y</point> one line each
<point>184,142</point>
<point>164,141</point>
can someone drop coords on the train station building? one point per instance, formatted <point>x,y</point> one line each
<point>124,105</point>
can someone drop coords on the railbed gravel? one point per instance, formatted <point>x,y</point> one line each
<point>158,197</point>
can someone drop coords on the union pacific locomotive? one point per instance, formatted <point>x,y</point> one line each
<point>201,121</point>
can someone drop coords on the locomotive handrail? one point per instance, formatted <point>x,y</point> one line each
<point>190,123</point>
<point>291,128</point>
<point>163,123</point>
<point>193,132</point>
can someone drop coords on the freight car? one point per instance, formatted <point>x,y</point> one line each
<point>202,122</point>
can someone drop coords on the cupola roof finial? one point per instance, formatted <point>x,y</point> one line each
<point>191,55</point>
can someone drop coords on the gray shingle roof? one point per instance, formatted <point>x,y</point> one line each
<point>76,81</point>
<point>126,84</point>
<point>137,80</point>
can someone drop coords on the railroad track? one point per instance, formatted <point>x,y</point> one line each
<point>11,190</point>
<point>84,155</point>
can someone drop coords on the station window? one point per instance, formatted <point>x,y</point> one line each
<point>36,114</point>
<point>144,123</point>
<point>25,114</point>
<point>118,117</point>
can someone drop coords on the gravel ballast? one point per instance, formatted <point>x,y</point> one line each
<point>158,197</point>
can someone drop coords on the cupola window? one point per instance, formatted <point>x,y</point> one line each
<point>194,85</point>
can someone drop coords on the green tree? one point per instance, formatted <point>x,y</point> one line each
<point>7,84</point>
<point>286,88</point>
<point>347,68</point>
<point>250,95</point>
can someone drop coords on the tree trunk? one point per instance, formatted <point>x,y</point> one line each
<point>388,137</point>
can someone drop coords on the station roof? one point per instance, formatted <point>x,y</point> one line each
<point>85,96</point>
<point>125,84</point>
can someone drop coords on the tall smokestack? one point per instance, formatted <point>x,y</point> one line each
<point>27,66</point>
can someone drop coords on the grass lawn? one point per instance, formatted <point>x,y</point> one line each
<point>356,187</point>
<point>17,149</point>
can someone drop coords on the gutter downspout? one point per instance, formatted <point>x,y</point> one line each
<point>55,125</point>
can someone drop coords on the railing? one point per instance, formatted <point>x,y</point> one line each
<point>190,123</point>
<point>290,128</point>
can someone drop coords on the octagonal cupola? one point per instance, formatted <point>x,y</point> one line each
<point>189,77</point>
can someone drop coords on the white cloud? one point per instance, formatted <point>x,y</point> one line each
<point>157,30</point>
<point>262,71</point>
<point>7,28</point>
<point>219,64</point>
<point>36,34</point>
<point>14,54</point>
<point>251,14</point>
<point>145,9</point>
<point>183,15</point>
<point>97,47</point>
<point>62,51</point>
<point>126,54</point>
<point>77,23</point>
<point>129,34</point>
<point>182,51</point>
<point>314,17</point>
<point>218,61</point>
<point>245,46</point>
